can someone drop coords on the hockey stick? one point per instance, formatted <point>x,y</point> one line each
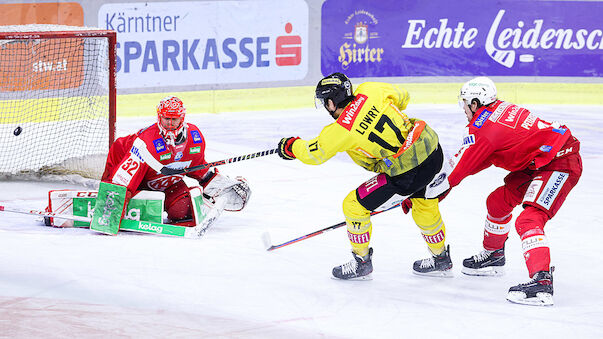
<point>126,225</point>
<point>171,171</point>
<point>268,243</point>
<point>43,213</point>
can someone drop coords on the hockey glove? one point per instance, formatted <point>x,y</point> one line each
<point>284,148</point>
<point>406,205</point>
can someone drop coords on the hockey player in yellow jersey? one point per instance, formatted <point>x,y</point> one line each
<point>371,127</point>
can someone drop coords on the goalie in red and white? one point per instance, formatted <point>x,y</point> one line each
<point>135,161</point>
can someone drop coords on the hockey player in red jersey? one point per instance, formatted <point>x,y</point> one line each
<point>545,165</point>
<point>135,161</point>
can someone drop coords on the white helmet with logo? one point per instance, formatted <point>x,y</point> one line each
<point>481,88</point>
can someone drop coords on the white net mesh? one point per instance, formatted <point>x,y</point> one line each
<point>54,103</point>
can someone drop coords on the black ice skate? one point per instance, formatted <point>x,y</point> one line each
<point>538,291</point>
<point>359,268</point>
<point>435,266</point>
<point>485,263</point>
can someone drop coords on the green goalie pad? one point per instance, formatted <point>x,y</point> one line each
<point>144,206</point>
<point>108,208</point>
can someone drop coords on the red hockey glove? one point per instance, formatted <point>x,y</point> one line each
<point>406,205</point>
<point>284,148</point>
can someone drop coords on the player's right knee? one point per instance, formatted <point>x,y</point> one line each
<point>501,202</point>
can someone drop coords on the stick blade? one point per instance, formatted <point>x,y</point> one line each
<point>267,241</point>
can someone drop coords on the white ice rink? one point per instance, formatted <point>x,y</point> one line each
<point>57,283</point>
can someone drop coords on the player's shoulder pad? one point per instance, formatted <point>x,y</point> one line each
<point>194,134</point>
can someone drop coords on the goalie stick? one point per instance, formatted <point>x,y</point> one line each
<point>43,213</point>
<point>268,242</point>
<point>171,171</point>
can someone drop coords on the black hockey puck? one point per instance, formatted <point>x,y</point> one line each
<point>17,130</point>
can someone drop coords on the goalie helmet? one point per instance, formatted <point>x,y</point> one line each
<point>481,89</point>
<point>336,87</point>
<point>169,109</point>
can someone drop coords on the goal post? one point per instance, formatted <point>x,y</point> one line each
<point>57,99</point>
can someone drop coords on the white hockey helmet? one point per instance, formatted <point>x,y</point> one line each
<point>481,89</point>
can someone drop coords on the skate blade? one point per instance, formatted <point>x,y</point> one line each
<point>493,271</point>
<point>541,299</point>
<point>436,274</point>
<point>364,277</point>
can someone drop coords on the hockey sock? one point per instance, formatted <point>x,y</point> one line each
<point>496,231</point>
<point>536,251</point>
<point>426,214</point>
<point>358,221</point>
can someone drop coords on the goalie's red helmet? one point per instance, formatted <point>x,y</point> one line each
<point>170,118</point>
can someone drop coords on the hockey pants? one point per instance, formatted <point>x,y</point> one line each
<point>359,203</point>
<point>541,192</point>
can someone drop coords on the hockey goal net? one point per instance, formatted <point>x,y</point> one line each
<point>57,100</point>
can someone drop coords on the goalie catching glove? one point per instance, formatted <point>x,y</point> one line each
<point>235,192</point>
<point>285,148</point>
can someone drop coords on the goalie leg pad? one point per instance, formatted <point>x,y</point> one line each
<point>109,208</point>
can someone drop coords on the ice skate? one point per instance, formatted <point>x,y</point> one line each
<point>485,263</point>
<point>359,268</point>
<point>435,266</point>
<point>537,292</point>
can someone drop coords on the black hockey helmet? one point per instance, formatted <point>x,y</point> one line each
<point>336,87</point>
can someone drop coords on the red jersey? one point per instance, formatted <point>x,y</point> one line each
<point>134,161</point>
<point>506,136</point>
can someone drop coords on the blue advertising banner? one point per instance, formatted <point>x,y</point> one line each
<point>385,38</point>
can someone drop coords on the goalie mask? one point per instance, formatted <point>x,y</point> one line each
<point>170,119</point>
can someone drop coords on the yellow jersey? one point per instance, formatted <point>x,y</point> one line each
<point>374,132</point>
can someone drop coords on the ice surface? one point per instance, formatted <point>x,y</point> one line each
<point>74,283</point>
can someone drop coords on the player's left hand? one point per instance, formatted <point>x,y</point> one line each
<point>284,148</point>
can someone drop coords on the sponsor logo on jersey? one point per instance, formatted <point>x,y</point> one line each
<point>161,183</point>
<point>481,119</point>
<point>194,150</point>
<point>134,150</point>
<point>196,137</point>
<point>529,121</point>
<point>159,145</point>
<point>510,117</point>
<point>349,114</point>
<point>545,148</point>
<point>166,156</point>
<point>499,111</point>
<point>359,238</point>
<point>178,156</point>
<point>560,130</point>
<point>469,140</point>
<point>551,190</point>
